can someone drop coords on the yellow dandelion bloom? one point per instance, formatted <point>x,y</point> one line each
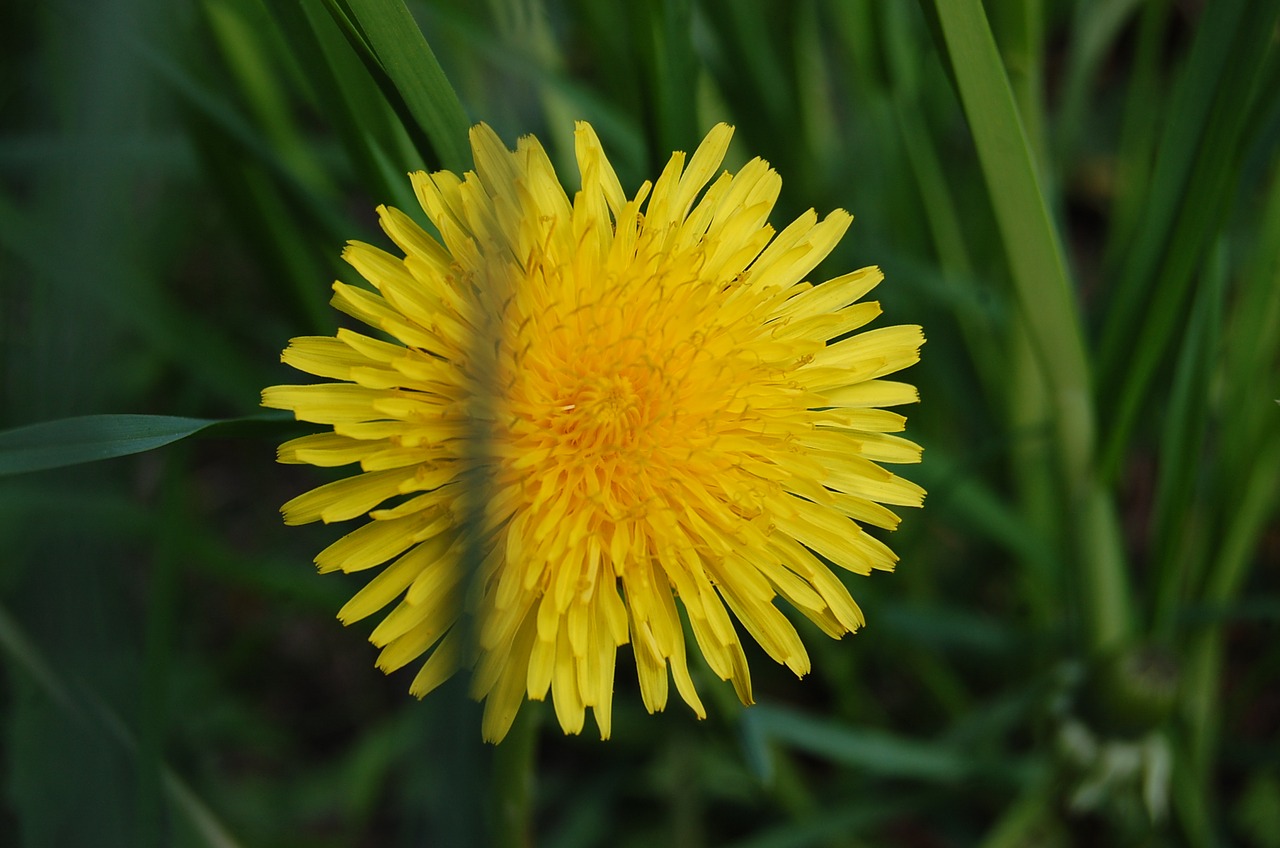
<point>668,416</point>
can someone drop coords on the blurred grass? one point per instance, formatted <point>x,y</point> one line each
<point>1079,200</point>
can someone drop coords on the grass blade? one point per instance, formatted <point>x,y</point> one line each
<point>403,53</point>
<point>1046,302</point>
<point>1194,181</point>
<point>1031,243</point>
<point>89,438</point>
<point>872,750</point>
<point>1186,422</point>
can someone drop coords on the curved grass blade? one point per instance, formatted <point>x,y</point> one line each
<point>392,35</point>
<point>89,438</point>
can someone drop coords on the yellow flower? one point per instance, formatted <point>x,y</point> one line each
<point>647,395</point>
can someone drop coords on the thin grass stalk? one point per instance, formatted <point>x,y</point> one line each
<point>86,709</point>
<point>817,103</point>
<point>1019,30</point>
<point>1048,308</point>
<point>1144,108</point>
<point>1246,479</point>
<point>1252,350</point>
<point>1204,149</point>
<point>1028,405</point>
<point>1020,27</point>
<point>247,50</point>
<point>676,67</point>
<point>514,765</point>
<point>1203,672</point>
<point>525,31</point>
<point>938,204</point>
<point>380,148</point>
<point>398,54</point>
<point>1176,520</point>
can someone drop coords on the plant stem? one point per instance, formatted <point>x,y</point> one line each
<point>513,782</point>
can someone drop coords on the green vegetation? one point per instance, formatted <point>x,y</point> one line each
<point>1078,199</point>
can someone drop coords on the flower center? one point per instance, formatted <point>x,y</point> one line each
<point>604,414</point>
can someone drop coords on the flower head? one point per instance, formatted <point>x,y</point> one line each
<point>667,422</point>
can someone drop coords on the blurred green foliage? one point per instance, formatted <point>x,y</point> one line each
<point>1078,199</point>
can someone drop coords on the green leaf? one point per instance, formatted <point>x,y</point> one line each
<point>874,751</point>
<point>380,147</point>
<point>1047,307</point>
<point>402,52</point>
<point>1030,241</point>
<point>89,438</point>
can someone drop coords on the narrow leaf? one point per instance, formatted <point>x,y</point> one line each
<point>1046,302</point>
<point>397,42</point>
<point>89,438</point>
<point>871,750</point>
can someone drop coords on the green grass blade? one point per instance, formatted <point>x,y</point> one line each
<point>1186,421</point>
<point>664,36</point>
<point>1145,104</point>
<point>1194,181</point>
<point>749,61</point>
<point>871,750</point>
<point>350,100</point>
<point>89,438</point>
<point>1251,347</point>
<point>1206,653</point>
<point>1046,302</point>
<point>211,105</point>
<point>1031,243</point>
<point>1185,127</point>
<point>1243,494</point>
<point>408,61</point>
<point>943,219</point>
<point>250,48</point>
<point>1019,30</point>
<point>178,336</point>
<point>22,654</point>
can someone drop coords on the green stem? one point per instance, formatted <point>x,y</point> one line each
<point>1030,417</point>
<point>513,781</point>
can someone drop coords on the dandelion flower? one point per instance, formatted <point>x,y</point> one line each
<point>671,427</point>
